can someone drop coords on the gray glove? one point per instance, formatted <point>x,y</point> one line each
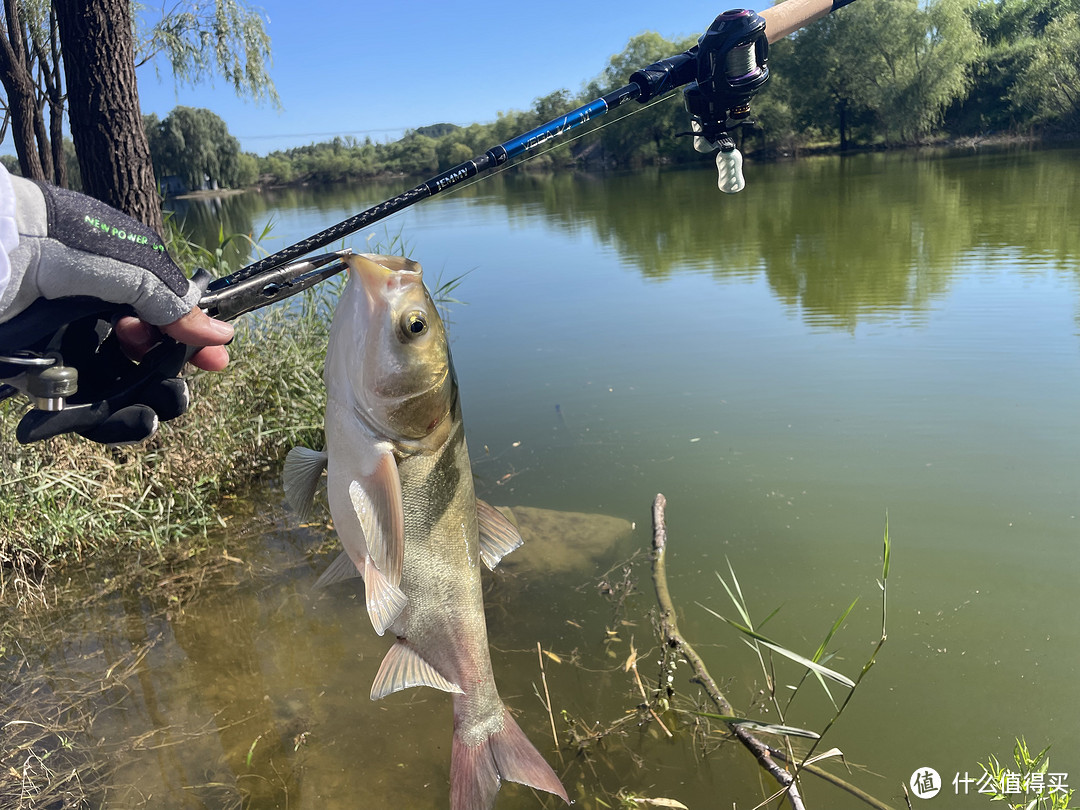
<point>80,264</point>
<point>73,245</point>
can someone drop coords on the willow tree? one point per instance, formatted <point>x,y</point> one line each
<point>201,39</point>
<point>194,143</point>
<point>903,61</point>
<point>92,67</point>
<point>1048,84</point>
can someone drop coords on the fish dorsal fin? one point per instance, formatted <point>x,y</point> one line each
<point>498,536</point>
<point>340,570</point>
<point>303,468</point>
<point>385,601</point>
<point>377,502</point>
<point>404,667</point>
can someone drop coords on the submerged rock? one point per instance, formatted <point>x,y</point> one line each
<point>561,542</point>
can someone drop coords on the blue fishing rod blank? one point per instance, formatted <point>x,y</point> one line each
<point>722,72</point>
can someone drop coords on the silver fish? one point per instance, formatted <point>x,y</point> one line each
<point>399,485</point>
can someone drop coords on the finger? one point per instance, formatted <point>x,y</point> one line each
<point>210,358</point>
<point>199,329</point>
<point>136,337</point>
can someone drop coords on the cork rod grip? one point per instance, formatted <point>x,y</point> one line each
<point>788,17</point>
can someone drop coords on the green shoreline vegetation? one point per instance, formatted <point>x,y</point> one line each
<point>883,73</point>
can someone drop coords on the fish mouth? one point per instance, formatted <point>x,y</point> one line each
<point>375,271</point>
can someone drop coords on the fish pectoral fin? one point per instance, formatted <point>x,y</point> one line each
<point>341,569</point>
<point>498,536</point>
<point>377,503</point>
<point>385,601</point>
<point>303,469</point>
<point>403,667</point>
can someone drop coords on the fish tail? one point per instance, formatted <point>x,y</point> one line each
<point>476,771</point>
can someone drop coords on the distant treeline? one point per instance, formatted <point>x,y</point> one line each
<point>891,72</point>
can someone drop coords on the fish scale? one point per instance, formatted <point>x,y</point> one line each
<point>445,605</point>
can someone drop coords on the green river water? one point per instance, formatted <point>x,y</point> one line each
<point>847,341</point>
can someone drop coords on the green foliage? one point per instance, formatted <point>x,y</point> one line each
<point>893,71</point>
<point>895,64</point>
<point>201,37</point>
<point>1048,84</point>
<point>195,144</point>
<point>643,135</point>
<point>1032,786</point>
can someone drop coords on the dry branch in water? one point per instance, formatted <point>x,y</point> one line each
<point>675,641</point>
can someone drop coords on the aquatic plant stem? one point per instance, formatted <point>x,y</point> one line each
<point>675,641</point>
<point>762,752</point>
<point>847,787</point>
<point>547,695</point>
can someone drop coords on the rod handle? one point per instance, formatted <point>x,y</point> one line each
<point>788,17</point>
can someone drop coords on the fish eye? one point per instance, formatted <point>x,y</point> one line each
<point>414,324</point>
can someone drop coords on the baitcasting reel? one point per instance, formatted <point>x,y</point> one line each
<point>732,59</point>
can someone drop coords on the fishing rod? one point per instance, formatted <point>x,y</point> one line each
<point>720,75</point>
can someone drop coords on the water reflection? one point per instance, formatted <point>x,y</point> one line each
<point>840,240</point>
<point>780,427</point>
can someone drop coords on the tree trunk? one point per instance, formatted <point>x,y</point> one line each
<point>41,137</point>
<point>103,105</point>
<point>49,65</point>
<point>15,75</point>
<point>56,128</point>
<point>843,107</point>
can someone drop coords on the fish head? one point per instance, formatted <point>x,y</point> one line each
<point>400,373</point>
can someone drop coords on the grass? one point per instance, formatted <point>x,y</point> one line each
<point>1032,786</point>
<point>812,667</point>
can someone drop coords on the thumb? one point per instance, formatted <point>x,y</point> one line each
<point>196,328</point>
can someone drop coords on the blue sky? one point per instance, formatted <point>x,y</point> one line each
<point>378,68</point>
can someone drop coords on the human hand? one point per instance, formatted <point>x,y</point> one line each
<point>74,248</point>
<point>137,337</point>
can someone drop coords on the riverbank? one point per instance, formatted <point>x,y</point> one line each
<point>591,161</point>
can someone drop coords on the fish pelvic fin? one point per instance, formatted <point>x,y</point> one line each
<point>477,771</point>
<point>403,667</point>
<point>378,506</point>
<point>303,469</point>
<point>385,601</point>
<point>340,570</point>
<point>498,536</point>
